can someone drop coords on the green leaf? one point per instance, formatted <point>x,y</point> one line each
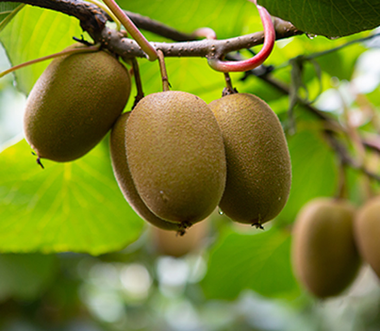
<point>74,206</point>
<point>226,17</point>
<point>341,64</point>
<point>328,18</point>
<point>260,262</point>
<point>314,171</point>
<point>34,33</point>
<point>7,11</point>
<point>24,276</point>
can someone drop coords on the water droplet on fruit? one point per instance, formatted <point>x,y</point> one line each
<point>220,212</point>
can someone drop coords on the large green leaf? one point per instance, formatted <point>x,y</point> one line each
<point>74,206</point>
<point>329,18</point>
<point>314,170</point>
<point>260,262</point>
<point>34,33</point>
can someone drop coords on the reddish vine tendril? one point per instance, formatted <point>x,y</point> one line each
<point>259,58</point>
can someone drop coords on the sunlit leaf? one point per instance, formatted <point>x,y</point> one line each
<point>314,171</point>
<point>259,262</point>
<point>74,206</point>
<point>226,17</point>
<point>34,33</point>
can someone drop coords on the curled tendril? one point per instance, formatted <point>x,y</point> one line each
<point>259,58</point>
<point>208,33</point>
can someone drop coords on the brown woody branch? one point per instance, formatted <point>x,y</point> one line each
<point>93,20</point>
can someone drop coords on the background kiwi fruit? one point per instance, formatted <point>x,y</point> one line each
<point>367,233</point>
<point>324,255</point>
<point>258,161</point>
<point>169,243</point>
<point>124,178</point>
<point>176,156</point>
<point>74,104</point>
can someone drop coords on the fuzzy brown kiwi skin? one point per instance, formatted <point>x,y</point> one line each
<point>324,254</point>
<point>176,156</point>
<point>74,104</point>
<point>258,160</point>
<point>367,233</point>
<point>124,178</point>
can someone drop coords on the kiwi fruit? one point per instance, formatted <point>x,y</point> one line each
<point>258,161</point>
<point>367,233</point>
<point>176,156</point>
<point>324,255</point>
<point>124,178</point>
<point>74,103</point>
<point>169,243</point>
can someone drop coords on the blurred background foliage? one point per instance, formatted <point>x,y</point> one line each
<point>76,257</point>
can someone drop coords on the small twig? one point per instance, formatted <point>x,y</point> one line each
<point>346,159</point>
<point>136,73</point>
<point>330,122</point>
<point>332,127</point>
<point>74,50</point>
<point>207,33</point>
<point>326,52</point>
<point>164,74</point>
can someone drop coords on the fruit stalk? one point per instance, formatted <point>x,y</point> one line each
<point>164,74</point>
<point>229,89</point>
<point>136,74</point>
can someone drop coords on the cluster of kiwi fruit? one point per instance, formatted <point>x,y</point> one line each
<point>175,158</point>
<point>330,240</point>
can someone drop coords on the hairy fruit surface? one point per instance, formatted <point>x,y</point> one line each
<point>176,156</point>
<point>367,233</point>
<point>258,161</point>
<point>124,178</point>
<point>324,254</point>
<point>74,104</point>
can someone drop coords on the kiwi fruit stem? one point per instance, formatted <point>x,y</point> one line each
<point>164,74</point>
<point>93,48</point>
<point>229,89</point>
<point>136,74</point>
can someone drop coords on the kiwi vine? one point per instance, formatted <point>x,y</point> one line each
<point>177,159</point>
